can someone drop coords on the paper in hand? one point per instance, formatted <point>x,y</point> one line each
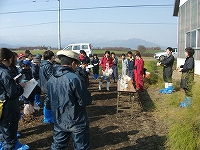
<point>30,85</point>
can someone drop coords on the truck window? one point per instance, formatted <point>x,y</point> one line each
<point>84,46</point>
<point>69,48</point>
<point>174,50</point>
<point>76,47</point>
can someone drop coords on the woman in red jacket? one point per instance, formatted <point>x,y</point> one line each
<point>106,63</point>
<point>139,72</point>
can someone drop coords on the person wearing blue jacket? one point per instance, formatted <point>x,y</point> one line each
<point>69,97</point>
<point>131,64</point>
<point>45,72</point>
<point>10,91</point>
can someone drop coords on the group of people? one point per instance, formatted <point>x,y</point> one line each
<point>65,97</point>
<point>187,78</point>
<point>64,86</point>
<point>133,66</point>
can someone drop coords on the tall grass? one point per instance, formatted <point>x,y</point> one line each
<point>184,129</point>
<point>155,72</point>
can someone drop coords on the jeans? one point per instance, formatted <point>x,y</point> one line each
<point>80,136</point>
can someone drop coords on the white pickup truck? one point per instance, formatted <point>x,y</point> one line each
<point>160,55</point>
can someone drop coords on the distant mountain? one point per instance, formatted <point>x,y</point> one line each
<point>130,43</point>
<point>3,45</point>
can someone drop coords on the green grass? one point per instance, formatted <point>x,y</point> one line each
<point>183,123</point>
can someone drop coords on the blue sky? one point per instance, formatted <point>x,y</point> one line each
<point>153,24</point>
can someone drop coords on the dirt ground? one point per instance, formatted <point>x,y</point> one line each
<point>109,130</point>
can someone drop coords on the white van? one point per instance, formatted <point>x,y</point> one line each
<point>80,46</point>
<point>160,55</point>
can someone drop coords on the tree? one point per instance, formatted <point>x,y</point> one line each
<point>141,48</point>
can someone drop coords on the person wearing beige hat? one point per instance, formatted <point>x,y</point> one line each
<point>69,97</point>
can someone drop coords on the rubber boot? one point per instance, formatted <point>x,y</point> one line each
<point>97,76</point>
<point>165,89</point>
<point>48,118</point>
<point>169,89</point>
<point>107,86</point>
<point>37,100</point>
<point>186,103</point>
<point>20,146</point>
<point>1,146</point>
<point>100,85</point>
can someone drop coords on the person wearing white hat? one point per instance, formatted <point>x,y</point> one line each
<point>69,97</point>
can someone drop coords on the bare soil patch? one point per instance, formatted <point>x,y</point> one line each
<point>109,130</point>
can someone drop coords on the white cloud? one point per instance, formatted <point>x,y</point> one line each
<point>10,20</point>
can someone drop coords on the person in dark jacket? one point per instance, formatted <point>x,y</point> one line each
<point>83,73</point>
<point>187,78</point>
<point>167,64</point>
<point>95,63</point>
<point>114,67</point>
<point>13,69</point>
<point>130,64</point>
<point>35,71</point>
<point>45,72</point>
<point>26,76</point>
<point>69,97</point>
<point>10,92</point>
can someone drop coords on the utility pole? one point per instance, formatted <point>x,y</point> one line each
<point>59,36</point>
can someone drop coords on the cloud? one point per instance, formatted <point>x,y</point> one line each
<point>11,20</point>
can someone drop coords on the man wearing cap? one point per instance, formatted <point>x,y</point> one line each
<point>21,58</point>
<point>69,97</point>
<point>167,64</point>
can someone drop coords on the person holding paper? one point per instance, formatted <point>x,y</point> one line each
<point>9,93</point>
<point>27,76</point>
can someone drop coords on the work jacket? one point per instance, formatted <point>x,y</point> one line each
<point>9,91</point>
<point>106,62</point>
<point>69,97</point>
<point>45,72</point>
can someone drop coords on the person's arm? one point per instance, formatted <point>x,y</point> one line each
<point>12,89</point>
<point>189,65</point>
<point>48,71</point>
<point>168,61</point>
<point>110,62</point>
<point>83,95</point>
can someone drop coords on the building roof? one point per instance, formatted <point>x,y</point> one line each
<point>176,7</point>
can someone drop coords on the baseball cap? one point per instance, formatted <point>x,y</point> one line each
<point>20,55</point>
<point>27,62</point>
<point>70,54</point>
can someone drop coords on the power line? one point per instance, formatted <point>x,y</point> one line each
<point>126,23</point>
<point>87,8</point>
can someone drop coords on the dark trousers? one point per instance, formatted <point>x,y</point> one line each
<point>8,135</point>
<point>47,103</point>
<point>81,138</point>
